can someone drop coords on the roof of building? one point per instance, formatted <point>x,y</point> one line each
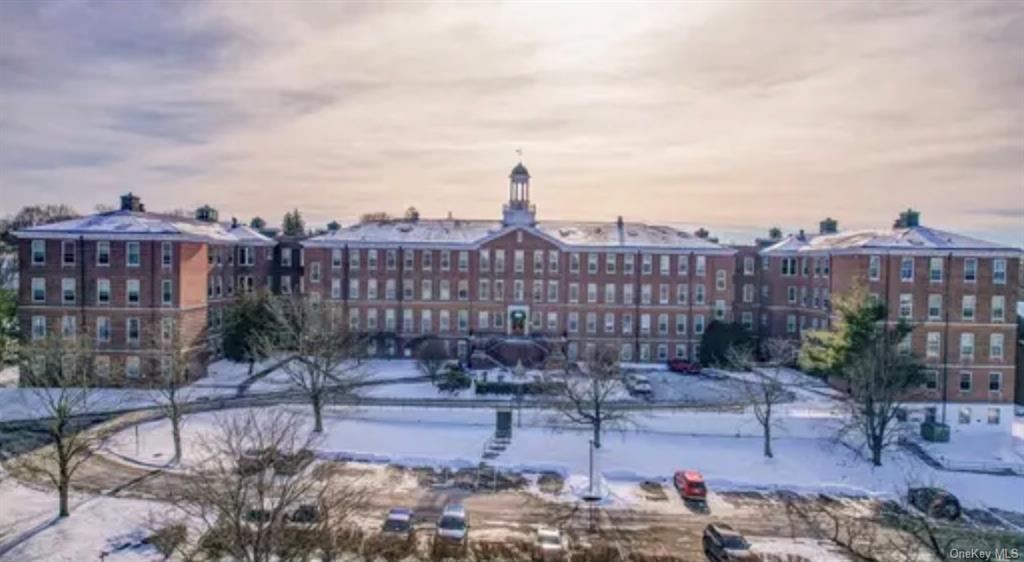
<point>921,239</point>
<point>471,233</point>
<point>141,225</point>
<point>520,170</point>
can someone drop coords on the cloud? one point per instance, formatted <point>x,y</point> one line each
<point>737,116</point>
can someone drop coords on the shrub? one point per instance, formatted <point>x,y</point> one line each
<point>168,539</point>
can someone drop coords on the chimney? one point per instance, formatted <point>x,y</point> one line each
<point>702,233</point>
<point>619,223</point>
<point>206,213</point>
<point>828,226</point>
<point>801,235</point>
<point>908,219</point>
<point>234,222</point>
<point>131,202</point>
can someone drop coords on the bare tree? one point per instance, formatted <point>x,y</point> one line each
<point>763,391</point>
<point>259,496</point>
<point>326,352</point>
<point>170,388</point>
<point>584,398</point>
<point>61,370</point>
<point>431,355</point>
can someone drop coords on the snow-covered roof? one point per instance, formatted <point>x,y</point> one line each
<point>915,239</point>
<point>472,233</point>
<point>134,225</point>
<point>789,244</point>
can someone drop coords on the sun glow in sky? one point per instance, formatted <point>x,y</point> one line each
<point>736,116</point>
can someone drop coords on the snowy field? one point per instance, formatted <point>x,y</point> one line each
<point>664,443</point>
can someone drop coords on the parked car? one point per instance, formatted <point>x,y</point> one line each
<point>934,502</point>
<point>684,367</point>
<point>290,464</point>
<point>638,384</point>
<point>452,531</point>
<point>723,543</point>
<point>550,545</point>
<point>399,524</point>
<point>690,485</point>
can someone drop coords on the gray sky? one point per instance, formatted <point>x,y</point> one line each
<point>732,115</point>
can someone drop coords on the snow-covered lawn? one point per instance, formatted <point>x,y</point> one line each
<point>665,442</point>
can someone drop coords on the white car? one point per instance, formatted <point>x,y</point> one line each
<point>550,545</point>
<point>638,384</point>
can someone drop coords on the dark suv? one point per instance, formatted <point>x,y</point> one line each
<point>722,543</point>
<point>934,502</point>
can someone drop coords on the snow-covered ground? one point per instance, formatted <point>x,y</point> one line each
<point>667,442</point>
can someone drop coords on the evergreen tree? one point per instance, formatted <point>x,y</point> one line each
<point>258,223</point>
<point>293,224</point>
<point>864,352</point>
<point>719,338</point>
<point>248,320</point>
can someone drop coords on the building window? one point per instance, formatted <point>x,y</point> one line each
<point>720,309</point>
<point>970,270</point>
<point>720,280</point>
<point>627,323</point>
<point>935,269</point>
<point>609,293</point>
<point>998,309</point>
<point>646,264</point>
<point>574,263</point>
<point>964,416</point>
<point>663,324</point>
<point>132,291</point>
<point>592,263</point>
<point>499,289</point>
<point>969,306</point>
<point>874,268</point>
<point>499,261</point>
<point>38,252</point>
<point>67,252</point>
<point>682,292</point>
<point>573,322</point>
<point>67,290</point>
<point>463,289</point>
<point>103,254</point>
<point>133,254</point>
<point>625,352</point>
<point>408,260</point>
<point>748,265</point>
<point>701,266</point>
<point>553,261</point>
<point>68,326</point>
<point>747,320</point>
<point>995,346</point>
<point>628,264</point>
<point>967,346</point>
<point>791,294</point>
<point>537,290</point>
<point>933,345</point>
<point>353,260</point>
<point>390,260</point>
<point>102,329</point>
<point>132,331</point>
<point>314,272</point>
<point>907,306</point>
<point>699,294</point>
<point>592,292</point>
<point>790,323</point>
<point>931,380</point>
<point>698,324</point>
<point>518,258</point>
<point>663,293</point>
<point>664,265</point>
<point>390,290</point>
<point>484,261</point>
<point>993,416</point>
<point>132,369</point>
<point>611,263</point>
<point>538,262</point>
<point>965,382</point>
<point>645,324</point>
<point>552,291</point>
<point>748,293</point>
<point>552,321</point>
<point>38,289</point>
<point>680,351</point>
<point>353,288</point>
<point>335,258</point>
<point>934,307</point>
<point>38,327</point>
<point>167,330</point>
<point>999,271</point>
<point>167,254</point>
<point>336,288</point>
<point>907,270</point>
<point>463,261</point>
<point>680,324</point>
<point>518,290</point>
<point>995,382</point>
<point>166,292</point>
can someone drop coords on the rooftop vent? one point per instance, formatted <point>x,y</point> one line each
<point>908,219</point>
<point>828,226</point>
<point>206,213</point>
<point>131,202</point>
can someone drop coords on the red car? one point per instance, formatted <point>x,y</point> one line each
<point>683,366</point>
<point>690,485</point>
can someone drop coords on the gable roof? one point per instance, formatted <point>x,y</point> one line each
<point>124,225</point>
<point>915,239</point>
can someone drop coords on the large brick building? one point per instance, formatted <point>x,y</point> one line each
<point>129,279</point>
<point>517,288</point>
<point>958,292</point>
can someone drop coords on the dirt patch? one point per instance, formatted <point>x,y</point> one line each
<point>551,483</point>
<point>653,491</point>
